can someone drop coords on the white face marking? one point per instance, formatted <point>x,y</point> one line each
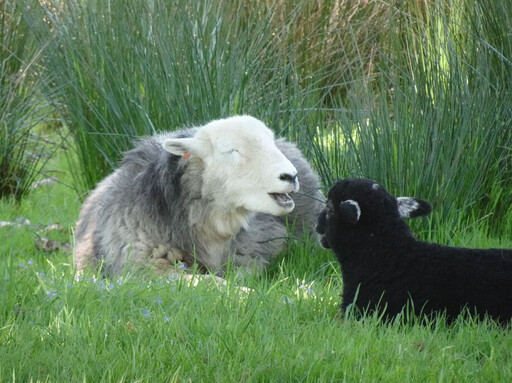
<point>406,205</point>
<point>375,186</point>
<point>358,209</point>
<point>243,168</point>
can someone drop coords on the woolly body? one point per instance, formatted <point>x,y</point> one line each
<point>385,267</point>
<point>199,195</point>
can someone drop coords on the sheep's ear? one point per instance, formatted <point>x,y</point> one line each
<point>186,146</point>
<point>349,211</point>
<point>409,207</point>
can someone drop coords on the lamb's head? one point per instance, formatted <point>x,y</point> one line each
<point>362,203</point>
<point>243,168</point>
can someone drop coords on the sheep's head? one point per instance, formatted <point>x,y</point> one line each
<point>364,203</point>
<point>243,168</point>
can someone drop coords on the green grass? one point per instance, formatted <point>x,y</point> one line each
<point>60,329</point>
<point>57,326</point>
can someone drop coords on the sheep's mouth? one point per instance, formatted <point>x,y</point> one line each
<point>283,199</point>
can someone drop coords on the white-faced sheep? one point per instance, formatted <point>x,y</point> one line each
<point>384,268</point>
<point>205,195</point>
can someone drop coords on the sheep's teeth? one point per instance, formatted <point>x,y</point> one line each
<point>282,199</point>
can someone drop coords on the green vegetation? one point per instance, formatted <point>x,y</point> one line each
<point>22,106</point>
<point>415,94</point>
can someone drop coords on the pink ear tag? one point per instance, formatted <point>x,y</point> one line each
<point>186,155</point>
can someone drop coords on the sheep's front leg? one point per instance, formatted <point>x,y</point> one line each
<point>164,257</point>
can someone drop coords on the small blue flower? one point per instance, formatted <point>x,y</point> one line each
<point>119,281</point>
<point>111,286</point>
<point>51,294</point>
<point>287,300</point>
<point>182,266</point>
<point>30,262</point>
<point>307,288</point>
<point>146,313</point>
<point>166,319</point>
<point>100,284</point>
<point>173,277</point>
<point>158,300</point>
<point>20,264</point>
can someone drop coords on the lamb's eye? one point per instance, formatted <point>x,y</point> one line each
<point>329,208</point>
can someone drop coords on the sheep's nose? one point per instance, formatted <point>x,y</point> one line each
<point>288,177</point>
<point>291,179</point>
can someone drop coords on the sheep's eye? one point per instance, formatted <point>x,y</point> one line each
<point>231,151</point>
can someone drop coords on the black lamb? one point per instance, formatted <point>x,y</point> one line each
<point>385,269</point>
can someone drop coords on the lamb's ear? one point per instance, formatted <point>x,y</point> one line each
<point>409,207</point>
<point>349,211</point>
<point>186,146</point>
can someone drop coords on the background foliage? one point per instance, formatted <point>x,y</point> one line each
<point>22,105</point>
<point>414,94</point>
